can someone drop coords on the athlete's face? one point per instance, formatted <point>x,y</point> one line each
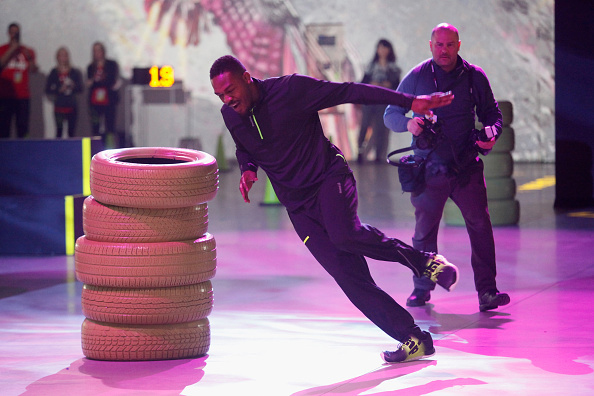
<point>445,45</point>
<point>235,90</point>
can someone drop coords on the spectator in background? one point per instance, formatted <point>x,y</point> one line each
<point>16,61</point>
<point>103,81</point>
<point>383,72</point>
<point>62,85</point>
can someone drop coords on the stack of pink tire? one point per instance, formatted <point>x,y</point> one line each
<point>146,258</point>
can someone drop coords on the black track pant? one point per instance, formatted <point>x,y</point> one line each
<point>333,233</point>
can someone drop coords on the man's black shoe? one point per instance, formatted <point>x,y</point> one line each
<point>492,300</point>
<point>418,298</point>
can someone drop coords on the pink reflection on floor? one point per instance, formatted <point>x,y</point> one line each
<point>165,377</point>
<point>281,327</point>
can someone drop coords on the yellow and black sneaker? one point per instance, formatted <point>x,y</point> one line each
<point>442,272</point>
<point>414,348</point>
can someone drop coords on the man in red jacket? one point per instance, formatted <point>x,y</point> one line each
<point>16,61</point>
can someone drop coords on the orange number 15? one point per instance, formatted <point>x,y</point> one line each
<point>161,77</point>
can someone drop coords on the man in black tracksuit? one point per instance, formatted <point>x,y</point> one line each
<point>276,127</point>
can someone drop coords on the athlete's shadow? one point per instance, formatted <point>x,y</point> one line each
<point>447,323</point>
<point>367,382</point>
<point>461,334</point>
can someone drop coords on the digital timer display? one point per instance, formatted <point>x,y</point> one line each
<point>161,77</point>
<point>155,76</point>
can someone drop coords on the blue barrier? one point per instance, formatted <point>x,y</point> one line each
<point>43,184</point>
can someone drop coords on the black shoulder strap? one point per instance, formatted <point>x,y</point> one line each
<point>471,70</point>
<point>459,79</point>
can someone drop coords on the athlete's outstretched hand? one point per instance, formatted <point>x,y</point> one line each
<point>245,184</point>
<point>424,103</point>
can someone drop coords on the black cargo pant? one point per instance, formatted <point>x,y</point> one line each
<point>468,191</point>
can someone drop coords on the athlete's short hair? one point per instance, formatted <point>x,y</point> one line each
<point>225,64</point>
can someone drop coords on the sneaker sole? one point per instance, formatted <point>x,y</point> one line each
<point>408,360</point>
<point>453,285</point>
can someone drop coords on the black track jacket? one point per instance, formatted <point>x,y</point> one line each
<point>283,134</point>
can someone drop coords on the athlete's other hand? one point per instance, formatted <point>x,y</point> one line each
<point>424,103</point>
<point>245,184</point>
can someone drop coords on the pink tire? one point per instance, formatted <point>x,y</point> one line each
<point>153,177</point>
<point>145,265</point>
<point>120,342</point>
<point>109,223</point>
<point>159,305</point>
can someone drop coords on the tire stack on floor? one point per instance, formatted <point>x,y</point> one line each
<point>504,209</point>
<point>146,258</point>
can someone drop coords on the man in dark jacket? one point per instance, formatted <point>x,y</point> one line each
<point>276,127</point>
<point>453,168</point>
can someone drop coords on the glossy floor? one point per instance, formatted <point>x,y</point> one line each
<point>281,327</point>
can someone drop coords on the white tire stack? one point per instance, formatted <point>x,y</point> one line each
<point>504,209</point>
<point>146,258</point>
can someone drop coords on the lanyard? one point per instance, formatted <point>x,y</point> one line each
<point>451,87</point>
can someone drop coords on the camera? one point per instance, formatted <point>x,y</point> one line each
<point>485,134</point>
<point>430,135</point>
